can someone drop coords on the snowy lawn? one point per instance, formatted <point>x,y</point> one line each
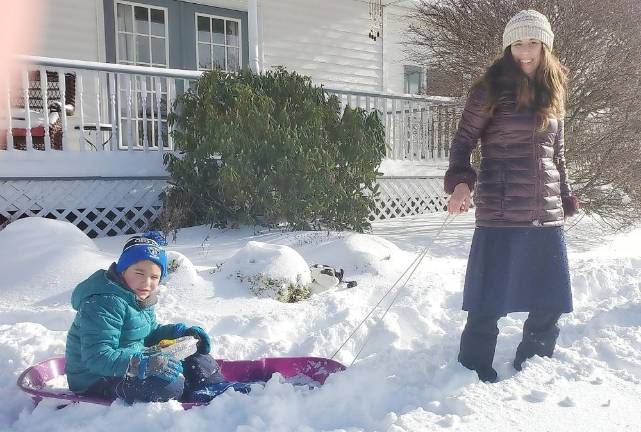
<point>407,377</point>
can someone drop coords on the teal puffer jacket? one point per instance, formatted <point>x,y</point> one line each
<point>109,328</point>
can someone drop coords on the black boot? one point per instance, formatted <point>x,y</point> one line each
<point>200,370</point>
<point>540,332</point>
<point>478,342</point>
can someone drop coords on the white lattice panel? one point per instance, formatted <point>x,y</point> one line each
<point>408,196</point>
<point>113,207</point>
<point>99,207</point>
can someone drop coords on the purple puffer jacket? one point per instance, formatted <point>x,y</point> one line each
<point>522,180</point>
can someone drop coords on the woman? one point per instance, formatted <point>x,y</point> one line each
<point>518,259</point>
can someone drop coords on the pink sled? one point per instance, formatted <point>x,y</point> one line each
<point>34,379</point>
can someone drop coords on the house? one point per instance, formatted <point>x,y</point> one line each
<point>89,148</point>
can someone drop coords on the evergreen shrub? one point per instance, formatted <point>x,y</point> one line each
<point>271,149</point>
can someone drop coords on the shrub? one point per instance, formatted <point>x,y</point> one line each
<point>272,148</point>
<point>262,285</point>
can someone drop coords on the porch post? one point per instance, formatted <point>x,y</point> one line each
<point>252,33</point>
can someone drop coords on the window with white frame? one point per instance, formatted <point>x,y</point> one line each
<point>142,40</point>
<point>141,34</point>
<point>218,43</point>
<point>414,80</point>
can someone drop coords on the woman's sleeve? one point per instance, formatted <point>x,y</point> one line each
<point>559,159</point>
<point>570,203</point>
<point>471,125</point>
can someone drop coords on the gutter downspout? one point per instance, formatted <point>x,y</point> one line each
<point>382,49</point>
<point>252,33</point>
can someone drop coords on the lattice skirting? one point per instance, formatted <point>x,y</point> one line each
<point>408,196</point>
<point>108,207</point>
<point>99,207</point>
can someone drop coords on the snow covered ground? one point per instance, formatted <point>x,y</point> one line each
<point>407,377</point>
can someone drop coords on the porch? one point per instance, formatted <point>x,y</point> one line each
<point>84,142</point>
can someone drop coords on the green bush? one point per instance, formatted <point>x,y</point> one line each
<point>262,285</point>
<point>270,149</point>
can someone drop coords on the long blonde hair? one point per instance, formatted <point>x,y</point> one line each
<point>544,94</point>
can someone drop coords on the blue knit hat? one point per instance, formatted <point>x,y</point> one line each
<point>141,248</point>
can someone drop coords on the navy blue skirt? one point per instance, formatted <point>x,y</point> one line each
<point>518,270</point>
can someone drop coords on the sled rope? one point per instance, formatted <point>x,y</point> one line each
<point>374,308</point>
<point>411,269</point>
<point>575,223</point>
<point>446,222</point>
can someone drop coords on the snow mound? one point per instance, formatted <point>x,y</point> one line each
<point>49,257</point>
<point>179,266</point>
<point>183,281</point>
<point>41,235</point>
<point>361,253</point>
<point>268,269</point>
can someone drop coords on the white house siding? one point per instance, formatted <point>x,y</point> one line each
<point>326,40</point>
<point>72,29</point>
<point>395,30</point>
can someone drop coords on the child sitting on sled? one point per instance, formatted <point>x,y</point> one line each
<point>115,322</point>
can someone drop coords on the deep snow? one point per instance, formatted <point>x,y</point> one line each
<point>406,379</point>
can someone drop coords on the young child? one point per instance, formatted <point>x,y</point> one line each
<point>115,321</point>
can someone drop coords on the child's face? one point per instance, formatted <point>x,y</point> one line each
<point>142,278</point>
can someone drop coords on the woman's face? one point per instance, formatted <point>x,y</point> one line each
<point>527,54</point>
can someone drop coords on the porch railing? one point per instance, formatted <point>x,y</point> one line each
<point>113,107</point>
<point>78,106</point>
<point>417,128</point>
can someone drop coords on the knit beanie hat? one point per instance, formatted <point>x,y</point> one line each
<point>141,248</point>
<point>528,24</point>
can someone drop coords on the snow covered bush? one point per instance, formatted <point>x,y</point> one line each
<point>179,263</point>
<point>271,149</point>
<point>272,271</point>
<point>262,285</point>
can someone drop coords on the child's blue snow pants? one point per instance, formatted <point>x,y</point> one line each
<point>199,370</point>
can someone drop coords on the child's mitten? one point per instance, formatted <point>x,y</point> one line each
<point>160,365</point>
<point>204,343</point>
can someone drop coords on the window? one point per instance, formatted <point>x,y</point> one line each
<point>141,35</point>
<point>175,34</point>
<point>414,79</point>
<point>142,40</point>
<point>218,43</point>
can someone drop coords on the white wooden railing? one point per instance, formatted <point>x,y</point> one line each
<point>115,107</point>
<point>417,128</point>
